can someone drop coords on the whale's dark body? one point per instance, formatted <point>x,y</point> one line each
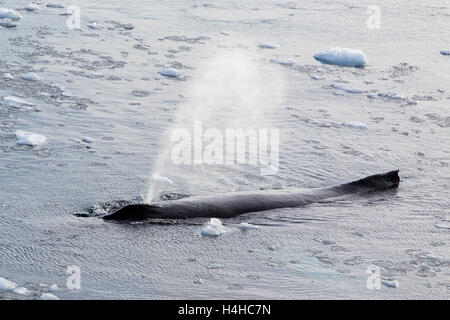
<point>233,204</point>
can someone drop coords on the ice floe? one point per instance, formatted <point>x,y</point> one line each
<point>170,72</point>
<point>7,23</point>
<point>445,52</point>
<point>247,226</point>
<point>284,62</point>
<point>21,290</point>
<point>9,14</point>
<point>95,26</point>
<point>55,5</point>
<point>32,7</point>
<point>224,33</point>
<point>162,180</point>
<point>6,285</point>
<point>268,45</point>
<point>87,140</point>
<point>343,57</point>
<point>7,76</point>
<point>29,138</point>
<point>355,125</point>
<point>346,89</point>
<point>15,102</point>
<point>30,76</point>
<point>48,296</point>
<point>213,228</point>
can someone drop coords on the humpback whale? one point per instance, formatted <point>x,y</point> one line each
<point>236,203</point>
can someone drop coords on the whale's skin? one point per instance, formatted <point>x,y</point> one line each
<point>233,204</point>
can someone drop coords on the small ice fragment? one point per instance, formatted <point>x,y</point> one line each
<point>355,125</point>
<point>30,76</point>
<point>390,283</point>
<point>170,72</point>
<point>198,281</point>
<point>95,26</point>
<point>445,52</point>
<point>213,228</point>
<point>247,226</point>
<point>53,287</point>
<point>87,140</point>
<point>161,179</point>
<point>21,290</point>
<point>44,94</point>
<point>55,5</point>
<point>7,23</point>
<point>29,138</point>
<point>6,285</point>
<point>49,296</point>
<point>32,7</point>
<point>15,102</point>
<point>6,13</point>
<point>346,89</point>
<point>224,33</point>
<point>268,45</point>
<point>7,76</point>
<point>286,62</point>
<point>343,57</point>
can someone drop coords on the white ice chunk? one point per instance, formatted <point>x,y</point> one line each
<point>55,5</point>
<point>6,285</point>
<point>170,72</point>
<point>213,228</point>
<point>7,23</point>
<point>343,57</point>
<point>247,226</point>
<point>29,138</point>
<point>32,7</point>
<point>284,62</point>
<point>445,52</point>
<point>95,26</point>
<point>15,102</point>
<point>224,33</point>
<point>53,287</point>
<point>6,13</point>
<point>21,290</point>
<point>7,76</point>
<point>346,89</point>
<point>49,296</point>
<point>268,45</point>
<point>355,125</point>
<point>30,76</point>
<point>87,140</point>
<point>162,180</point>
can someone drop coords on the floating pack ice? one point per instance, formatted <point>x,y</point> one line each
<point>170,72</point>
<point>355,125</point>
<point>7,23</point>
<point>343,57</point>
<point>6,13</point>
<point>32,7</point>
<point>213,228</point>
<point>268,45</point>
<point>29,138</point>
<point>30,76</point>
<point>15,102</point>
<point>284,62</point>
<point>6,285</point>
